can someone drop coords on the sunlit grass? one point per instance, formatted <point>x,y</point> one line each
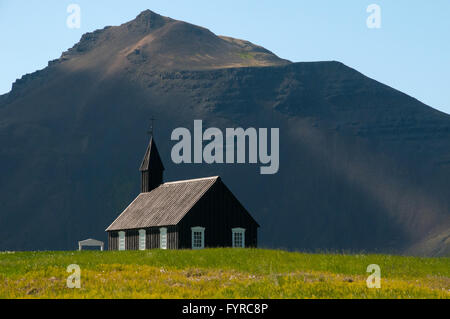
<point>219,273</point>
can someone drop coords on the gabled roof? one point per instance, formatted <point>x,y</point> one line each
<point>151,159</point>
<point>165,205</point>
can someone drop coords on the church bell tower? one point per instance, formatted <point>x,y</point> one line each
<point>151,168</point>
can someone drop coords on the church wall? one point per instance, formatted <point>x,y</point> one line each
<point>218,211</point>
<point>151,238</point>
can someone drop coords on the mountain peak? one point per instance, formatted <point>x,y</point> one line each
<point>148,14</point>
<point>148,20</point>
<point>152,41</point>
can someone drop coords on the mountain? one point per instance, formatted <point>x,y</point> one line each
<point>155,42</point>
<point>363,167</point>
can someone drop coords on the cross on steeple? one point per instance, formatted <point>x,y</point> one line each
<point>150,132</point>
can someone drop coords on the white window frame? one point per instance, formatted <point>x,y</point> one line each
<point>122,240</point>
<point>238,230</point>
<point>142,239</point>
<point>163,238</point>
<point>198,229</point>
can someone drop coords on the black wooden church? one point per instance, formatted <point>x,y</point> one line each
<point>193,213</point>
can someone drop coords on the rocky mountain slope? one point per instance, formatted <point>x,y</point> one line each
<point>363,167</point>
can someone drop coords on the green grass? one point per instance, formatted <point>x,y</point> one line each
<point>220,273</point>
<point>246,55</point>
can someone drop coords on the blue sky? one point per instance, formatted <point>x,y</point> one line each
<point>410,52</point>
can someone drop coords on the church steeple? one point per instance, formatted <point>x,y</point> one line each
<point>151,168</point>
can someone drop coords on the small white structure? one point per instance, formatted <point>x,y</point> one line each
<point>90,242</point>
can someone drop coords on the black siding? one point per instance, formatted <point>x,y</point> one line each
<point>113,240</point>
<point>218,211</point>
<point>151,238</point>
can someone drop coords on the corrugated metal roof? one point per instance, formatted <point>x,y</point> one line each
<point>165,205</point>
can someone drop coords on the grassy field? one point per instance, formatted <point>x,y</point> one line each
<point>219,273</point>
